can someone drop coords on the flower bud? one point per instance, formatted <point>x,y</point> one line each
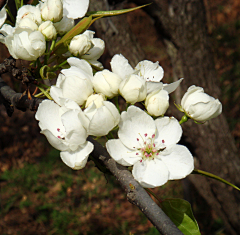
<point>52,10</point>
<point>48,30</point>
<point>80,45</point>
<point>64,25</point>
<point>133,89</point>
<point>107,83</point>
<point>102,119</point>
<point>97,99</point>
<point>74,83</point>
<point>199,105</point>
<point>157,102</point>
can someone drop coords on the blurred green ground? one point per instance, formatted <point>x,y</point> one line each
<point>50,198</point>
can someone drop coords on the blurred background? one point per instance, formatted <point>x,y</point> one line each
<point>40,195</point>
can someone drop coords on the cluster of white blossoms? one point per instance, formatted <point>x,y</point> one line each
<point>45,22</point>
<point>80,108</point>
<point>82,99</point>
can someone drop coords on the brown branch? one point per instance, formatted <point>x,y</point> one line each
<point>11,99</point>
<point>135,193</point>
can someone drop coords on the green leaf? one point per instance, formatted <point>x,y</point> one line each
<point>180,212</point>
<point>62,44</point>
<point>210,175</point>
<point>113,13</point>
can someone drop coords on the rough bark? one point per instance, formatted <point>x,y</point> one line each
<point>182,23</point>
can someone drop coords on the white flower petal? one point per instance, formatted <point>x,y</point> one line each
<point>172,86</point>
<point>169,131</point>
<point>133,126</point>
<point>74,8</point>
<point>83,65</point>
<point>48,117</point>
<point>76,134</point>
<point>57,143</point>
<point>179,162</point>
<point>120,66</point>
<point>78,159</point>
<point>150,71</point>
<point>97,50</point>
<point>150,173</point>
<point>96,64</point>
<point>121,154</point>
<point>153,86</point>
<point>3,16</point>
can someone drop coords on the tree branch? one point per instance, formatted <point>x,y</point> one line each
<point>135,192</point>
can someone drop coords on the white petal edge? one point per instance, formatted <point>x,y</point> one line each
<point>78,159</point>
<point>133,126</point>
<point>179,162</point>
<point>169,131</point>
<point>151,173</point>
<point>121,154</point>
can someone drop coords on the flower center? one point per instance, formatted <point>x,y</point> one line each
<point>148,151</point>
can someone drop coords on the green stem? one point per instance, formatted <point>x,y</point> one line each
<point>51,49</point>
<point>47,52</point>
<point>210,175</point>
<point>58,66</point>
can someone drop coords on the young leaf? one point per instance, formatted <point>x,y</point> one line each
<point>180,212</point>
<point>113,13</point>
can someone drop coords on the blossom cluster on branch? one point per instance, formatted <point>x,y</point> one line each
<point>85,98</point>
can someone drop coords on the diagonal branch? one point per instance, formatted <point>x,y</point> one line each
<point>135,192</point>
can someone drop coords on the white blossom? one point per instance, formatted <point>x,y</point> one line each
<point>74,83</point>
<point>151,147</point>
<point>151,72</point>
<point>199,105</point>
<point>30,12</point>
<point>65,130</point>
<point>25,44</point>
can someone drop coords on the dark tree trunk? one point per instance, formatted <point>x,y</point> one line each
<point>182,24</point>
